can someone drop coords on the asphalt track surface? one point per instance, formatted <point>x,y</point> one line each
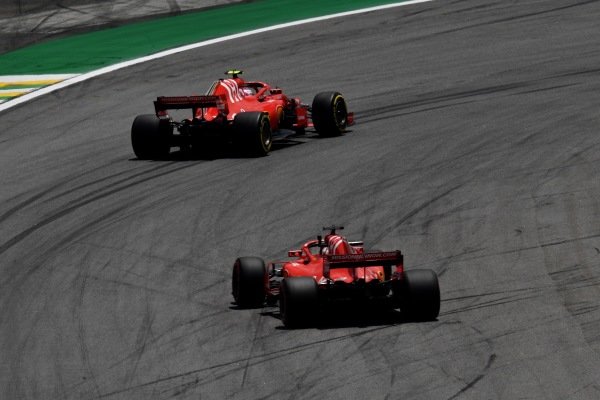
<point>25,22</point>
<point>475,152</point>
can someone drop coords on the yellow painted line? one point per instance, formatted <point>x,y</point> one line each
<point>15,92</point>
<point>111,68</point>
<point>30,83</point>
<point>40,77</point>
<point>14,86</point>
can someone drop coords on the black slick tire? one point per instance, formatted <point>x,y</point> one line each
<point>329,114</point>
<point>252,132</point>
<point>418,295</point>
<point>298,302</point>
<point>248,282</point>
<point>150,137</point>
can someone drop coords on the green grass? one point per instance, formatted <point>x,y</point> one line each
<point>93,50</point>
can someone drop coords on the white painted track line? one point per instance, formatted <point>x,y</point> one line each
<point>166,53</point>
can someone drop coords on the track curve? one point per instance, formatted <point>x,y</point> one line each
<point>475,152</point>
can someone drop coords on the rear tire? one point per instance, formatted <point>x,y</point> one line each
<point>329,114</point>
<point>150,137</point>
<point>248,282</point>
<point>253,132</point>
<point>298,302</point>
<point>418,294</point>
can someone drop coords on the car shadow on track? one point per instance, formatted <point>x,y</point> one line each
<point>348,318</point>
<point>219,151</point>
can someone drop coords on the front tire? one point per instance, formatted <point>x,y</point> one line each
<point>418,294</point>
<point>253,132</point>
<point>329,114</point>
<point>150,137</point>
<point>248,282</point>
<point>298,302</point>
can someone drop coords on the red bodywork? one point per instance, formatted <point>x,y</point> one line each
<point>228,97</point>
<point>336,263</point>
<point>248,115</point>
<point>240,96</point>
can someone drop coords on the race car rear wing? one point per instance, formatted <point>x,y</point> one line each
<point>163,103</point>
<point>387,259</point>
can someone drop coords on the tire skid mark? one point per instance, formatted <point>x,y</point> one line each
<point>32,199</point>
<point>528,248</point>
<point>385,232</point>
<point>495,293</point>
<point>509,19</point>
<point>156,338</point>
<point>104,179</point>
<point>259,325</point>
<point>479,377</point>
<point>23,340</point>
<point>43,21</point>
<point>130,285</point>
<point>414,13</point>
<point>471,383</point>
<point>31,269</point>
<point>6,309</point>
<point>7,214</point>
<point>549,88</point>
<point>507,89</point>
<point>375,349</point>
<point>291,392</point>
<point>141,340</point>
<point>171,262</point>
<point>81,330</point>
<point>287,353</point>
<point>578,72</point>
<point>297,389</point>
<point>472,8</point>
<point>364,114</point>
<point>42,193</point>
<point>146,343</point>
<point>490,303</point>
<point>578,273</point>
<point>254,360</point>
<point>378,117</point>
<point>74,207</point>
<point>60,387</point>
<point>101,16</point>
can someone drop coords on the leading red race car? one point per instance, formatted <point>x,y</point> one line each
<point>333,269</point>
<point>248,113</point>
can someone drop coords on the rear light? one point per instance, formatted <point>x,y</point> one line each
<point>399,268</point>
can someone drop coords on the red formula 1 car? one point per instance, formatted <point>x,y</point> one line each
<point>247,113</point>
<point>330,270</point>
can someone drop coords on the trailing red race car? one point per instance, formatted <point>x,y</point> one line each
<point>248,113</point>
<point>332,269</point>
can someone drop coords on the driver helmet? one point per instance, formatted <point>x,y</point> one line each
<point>246,91</point>
<point>338,245</point>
